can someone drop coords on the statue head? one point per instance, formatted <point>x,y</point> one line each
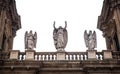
<point>90,32</point>
<point>60,27</point>
<point>30,31</point>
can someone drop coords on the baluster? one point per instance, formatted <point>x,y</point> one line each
<point>98,56</point>
<point>82,57</point>
<point>22,57</point>
<point>76,57</point>
<point>52,57</point>
<point>101,57</point>
<point>79,56</point>
<point>45,57</point>
<point>68,57</point>
<point>39,57</point>
<point>72,57</point>
<point>48,57</point>
<point>19,57</point>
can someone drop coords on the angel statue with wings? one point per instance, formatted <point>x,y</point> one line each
<point>30,40</point>
<point>60,37</point>
<point>90,40</point>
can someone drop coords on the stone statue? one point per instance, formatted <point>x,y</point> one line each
<point>60,37</point>
<point>30,40</point>
<point>90,40</point>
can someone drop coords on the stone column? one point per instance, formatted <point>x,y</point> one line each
<point>107,54</point>
<point>30,55</point>
<point>91,54</point>
<point>61,55</point>
<point>14,54</point>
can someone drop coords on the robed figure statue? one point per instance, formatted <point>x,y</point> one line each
<point>60,37</point>
<point>30,40</point>
<point>90,40</point>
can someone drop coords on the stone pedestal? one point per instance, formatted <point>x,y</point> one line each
<point>60,55</point>
<point>14,54</point>
<point>30,54</point>
<point>107,54</point>
<point>91,54</point>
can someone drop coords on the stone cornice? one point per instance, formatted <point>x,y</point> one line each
<point>60,65</point>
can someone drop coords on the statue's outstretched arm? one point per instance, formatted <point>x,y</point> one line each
<point>54,25</point>
<point>65,24</point>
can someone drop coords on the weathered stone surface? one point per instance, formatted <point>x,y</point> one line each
<point>60,67</point>
<point>60,55</point>
<point>9,23</point>
<point>14,54</point>
<point>109,23</point>
<point>107,54</point>
<point>30,54</point>
<point>91,54</point>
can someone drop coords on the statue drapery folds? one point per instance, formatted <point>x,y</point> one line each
<point>90,39</point>
<point>60,37</point>
<point>30,40</point>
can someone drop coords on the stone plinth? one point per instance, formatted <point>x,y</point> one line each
<point>14,54</point>
<point>91,54</point>
<point>107,54</point>
<point>30,54</point>
<point>60,55</point>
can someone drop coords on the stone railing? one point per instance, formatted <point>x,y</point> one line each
<point>45,56</point>
<point>48,56</point>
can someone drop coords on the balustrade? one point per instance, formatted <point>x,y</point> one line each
<point>47,56</point>
<point>76,56</point>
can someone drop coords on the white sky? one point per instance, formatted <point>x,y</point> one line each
<point>38,15</point>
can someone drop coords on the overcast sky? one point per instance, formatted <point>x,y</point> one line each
<point>39,15</point>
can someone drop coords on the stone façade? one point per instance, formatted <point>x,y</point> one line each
<point>106,62</point>
<point>9,23</point>
<point>109,23</point>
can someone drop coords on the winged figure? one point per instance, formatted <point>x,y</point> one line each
<point>60,37</point>
<point>90,39</point>
<point>30,40</point>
